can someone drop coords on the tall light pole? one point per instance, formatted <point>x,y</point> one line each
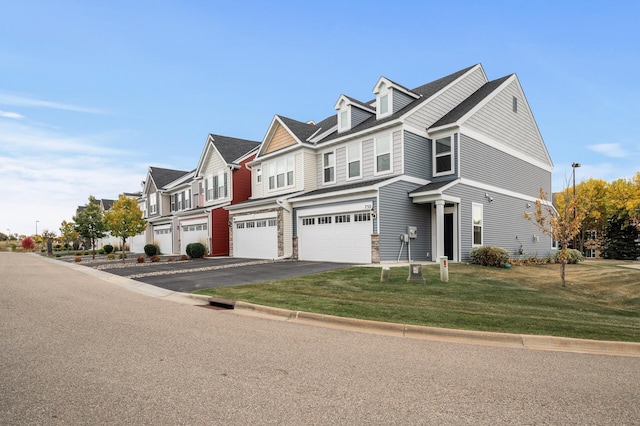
<point>574,166</point>
<point>37,227</point>
<point>9,237</point>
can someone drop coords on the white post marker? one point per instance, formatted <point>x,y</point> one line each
<point>444,269</point>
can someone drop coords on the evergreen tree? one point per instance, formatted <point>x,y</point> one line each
<point>89,223</point>
<point>620,239</point>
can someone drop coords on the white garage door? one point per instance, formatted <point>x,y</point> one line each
<point>255,239</point>
<point>343,237</point>
<point>162,235</point>
<point>193,233</point>
<point>137,243</point>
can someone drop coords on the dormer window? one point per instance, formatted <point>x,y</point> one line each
<point>344,120</point>
<point>383,107</point>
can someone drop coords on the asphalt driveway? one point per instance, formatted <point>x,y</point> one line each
<point>195,274</point>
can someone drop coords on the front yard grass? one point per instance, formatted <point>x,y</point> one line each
<point>601,300</point>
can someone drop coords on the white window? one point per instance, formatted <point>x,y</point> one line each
<point>443,156</point>
<point>208,188</point>
<point>220,185</point>
<point>187,199</point>
<point>343,218</point>
<point>354,161</point>
<point>309,221</point>
<point>153,206</point>
<point>362,217</point>
<point>477,219</point>
<point>272,222</point>
<point>322,220</point>
<point>259,175</point>
<point>281,173</point>
<point>329,167</point>
<point>383,154</point>
<point>589,253</point>
<point>383,105</point>
<point>173,199</point>
<point>344,120</point>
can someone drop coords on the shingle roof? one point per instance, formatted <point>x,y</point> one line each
<point>467,105</point>
<point>433,186</point>
<point>162,177</point>
<point>301,130</point>
<point>425,91</point>
<point>346,187</point>
<point>232,148</point>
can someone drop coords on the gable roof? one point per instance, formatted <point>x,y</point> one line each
<point>426,91</point>
<point>468,104</point>
<point>161,177</point>
<point>232,149</point>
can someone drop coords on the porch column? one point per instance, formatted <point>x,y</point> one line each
<point>439,229</point>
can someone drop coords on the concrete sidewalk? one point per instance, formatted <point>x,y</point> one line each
<point>547,343</point>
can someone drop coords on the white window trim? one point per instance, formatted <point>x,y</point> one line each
<point>375,156</point>
<point>473,244</point>
<point>259,174</point>
<point>153,203</point>
<point>324,167</point>
<point>344,125</point>
<point>435,156</point>
<point>359,144</point>
<point>273,172</point>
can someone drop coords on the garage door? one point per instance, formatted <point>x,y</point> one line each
<point>193,233</point>
<point>256,239</point>
<point>163,237</point>
<point>343,237</point>
<point>137,243</point>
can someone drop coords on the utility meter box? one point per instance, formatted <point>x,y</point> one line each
<point>413,232</point>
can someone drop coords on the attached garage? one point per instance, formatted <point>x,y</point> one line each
<point>255,236</point>
<point>334,235</point>
<point>137,243</point>
<point>194,231</point>
<point>163,236</point>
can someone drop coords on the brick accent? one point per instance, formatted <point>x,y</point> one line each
<point>294,255</point>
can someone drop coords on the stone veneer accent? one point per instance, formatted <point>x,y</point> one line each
<point>375,248</point>
<point>294,255</point>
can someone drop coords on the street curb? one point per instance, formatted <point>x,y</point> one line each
<point>532,342</point>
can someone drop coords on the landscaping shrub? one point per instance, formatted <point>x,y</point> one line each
<point>78,259</point>
<point>184,257</point>
<point>28,244</point>
<point>140,259</point>
<point>111,256</point>
<point>489,256</point>
<point>155,258</point>
<point>573,256</point>
<point>78,253</point>
<point>101,251</point>
<point>151,250</point>
<point>195,250</point>
<point>108,248</point>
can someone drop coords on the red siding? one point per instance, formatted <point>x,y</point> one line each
<point>220,232</point>
<point>242,182</point>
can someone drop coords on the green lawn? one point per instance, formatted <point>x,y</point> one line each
<point>601,300</point>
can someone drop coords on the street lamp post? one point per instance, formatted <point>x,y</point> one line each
<point>37,227</point>
<point>574,166</point>
<point>9,237</point>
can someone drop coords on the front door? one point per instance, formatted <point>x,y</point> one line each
<point>448,235</point>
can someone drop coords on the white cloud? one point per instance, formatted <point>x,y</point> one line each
<point>613,150</point>
<point>6,114</point>
<point>26,101</point>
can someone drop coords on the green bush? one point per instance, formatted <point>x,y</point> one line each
<point>108,248</point>
<point>151,250</point>
<point>489,256</point>
<point>101,251</point>
<point>111,256</point>
<point>573,256</point>
<point>195,250</point>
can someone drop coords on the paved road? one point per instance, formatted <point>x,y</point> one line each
<point>80,350</point>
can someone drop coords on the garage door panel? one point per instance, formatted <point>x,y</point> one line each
<point>256,239</point>
<point>193,233</point>
<point>164,238</point>
<point>335,238</point>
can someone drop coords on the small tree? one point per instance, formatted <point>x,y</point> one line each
<point>90,223</point>
<point>562,224</point>
<point>28,244</point>
<point>68,232</point>
<point>124,220</point>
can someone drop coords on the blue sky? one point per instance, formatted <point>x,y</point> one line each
<point>93,93</point>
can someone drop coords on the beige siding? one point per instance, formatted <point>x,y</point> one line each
<point>310,180</point>
<point>281,138</point>
<point>212,166</point>
<point>517,130</point>
<point>432,111</point>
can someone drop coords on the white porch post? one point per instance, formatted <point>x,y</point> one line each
<point>439,229</point>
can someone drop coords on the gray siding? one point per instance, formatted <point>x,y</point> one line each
<point>489,165</point>
<point>503,222</point>
<point>358,116</point>
<point>400,100</point>
<point>432,111</point>
<point>417,156</point>
<point>516,130</point>
<point>395,213</point>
